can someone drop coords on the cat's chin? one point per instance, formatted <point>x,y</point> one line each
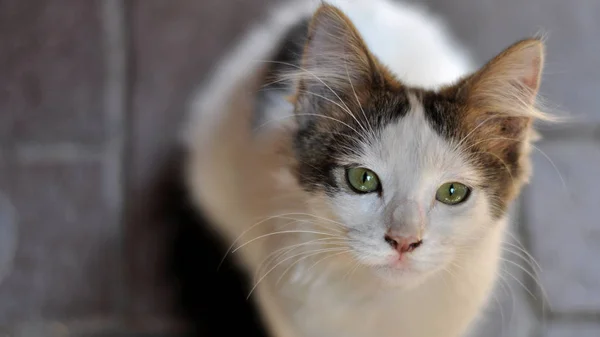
<point>400,277</point>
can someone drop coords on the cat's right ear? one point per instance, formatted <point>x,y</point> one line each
<point>337,68</point>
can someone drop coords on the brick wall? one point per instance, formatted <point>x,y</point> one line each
<point>92,92</point>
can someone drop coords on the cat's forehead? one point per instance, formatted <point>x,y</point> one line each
<point>410,115</point>
<point>413,147</point>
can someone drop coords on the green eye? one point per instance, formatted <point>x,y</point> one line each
<point>362,180</point>
<point>452,193</point>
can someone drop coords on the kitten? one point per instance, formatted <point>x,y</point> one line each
<point>361,169</point>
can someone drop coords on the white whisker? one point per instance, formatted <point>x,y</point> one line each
<point>278,233</point>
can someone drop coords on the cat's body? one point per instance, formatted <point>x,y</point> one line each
<point>255,170</point>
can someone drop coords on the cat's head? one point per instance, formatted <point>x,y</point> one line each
<point>413,175</point>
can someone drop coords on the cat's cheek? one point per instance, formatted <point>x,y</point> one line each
<point>434,253</point>
<point>472,222</point>
<point>442,222</point>
<point>358,212</point>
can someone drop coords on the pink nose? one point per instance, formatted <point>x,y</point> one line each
<point>403,244</point>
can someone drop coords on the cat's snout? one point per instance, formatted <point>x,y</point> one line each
<point>403,244</point>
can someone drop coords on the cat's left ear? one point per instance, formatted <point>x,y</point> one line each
<point>501,98</point>
<point>508,85</point>
<point>337,66</point>
<point>500,105</point>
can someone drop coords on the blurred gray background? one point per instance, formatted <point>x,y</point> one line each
<point>93,91</point>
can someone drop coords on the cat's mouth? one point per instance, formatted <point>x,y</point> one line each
<point>399,275</point>
<point>399,263</point>
<point>396,270</point>
<point>395,265</point>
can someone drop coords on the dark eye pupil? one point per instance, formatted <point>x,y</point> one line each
<point>365,177</point>
<point>452,189</point>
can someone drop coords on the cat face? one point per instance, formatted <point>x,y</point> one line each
<point>401,181</point>
<point>413,176</point>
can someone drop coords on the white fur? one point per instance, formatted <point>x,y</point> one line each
<point>239,180</point>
